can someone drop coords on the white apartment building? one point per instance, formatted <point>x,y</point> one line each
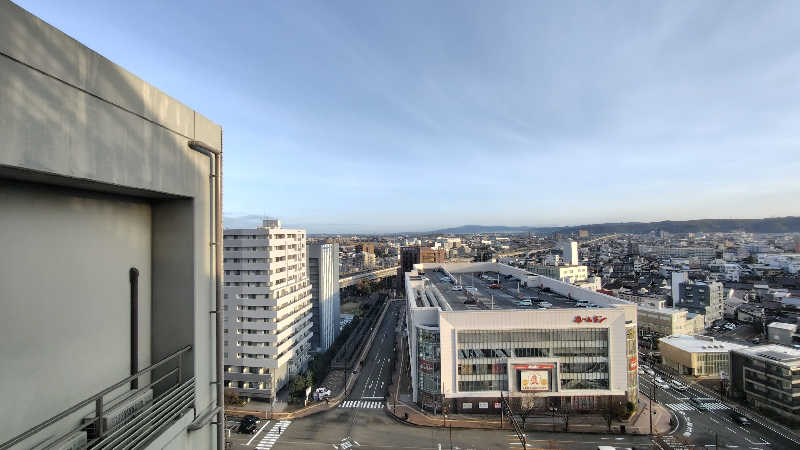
<point>268,324</point>
<point>569,274</point>
<point>323,270</point>
<point>569,249</point>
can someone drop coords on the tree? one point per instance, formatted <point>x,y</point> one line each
<point>527,406</point>
<point>297,390</point>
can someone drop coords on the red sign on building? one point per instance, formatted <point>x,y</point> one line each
<point>589,319</point>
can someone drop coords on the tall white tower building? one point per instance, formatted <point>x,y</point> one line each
<point>268,308</point>
<point>570,252</point>
<point>323,270</point>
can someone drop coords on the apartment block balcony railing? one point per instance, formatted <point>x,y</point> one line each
<point>129,420</point>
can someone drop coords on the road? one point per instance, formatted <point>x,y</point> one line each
<point>360,423</point>
<point>703,428</point>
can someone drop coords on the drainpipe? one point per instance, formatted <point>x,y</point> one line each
<point>133,275</point>
<point>217,156</point>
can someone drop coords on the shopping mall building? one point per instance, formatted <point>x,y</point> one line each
<point>573,348</point>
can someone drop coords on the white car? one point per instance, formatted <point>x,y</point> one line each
<point>545,305</point>
<point>664,385</point>
<point>456,288</point>
<point>525,302</point>
<point>659,380</point>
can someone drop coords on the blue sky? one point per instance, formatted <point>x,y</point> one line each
<point>410,116</point>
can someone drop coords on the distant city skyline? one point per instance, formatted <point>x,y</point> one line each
<point>376,117</point>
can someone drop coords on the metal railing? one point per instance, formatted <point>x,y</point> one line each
<point>143,423</point>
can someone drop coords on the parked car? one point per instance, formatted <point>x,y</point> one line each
<point>545,304</point>
<point>659,380</point>
<point>470,301</point>
<point>664,385</point>
<point>650,371</point>
<point>756,340</point>
<point>740,419</point>
<point>525,302</point>
<point>457,288</point>
<point>496,286</point>
<point>248,425</point>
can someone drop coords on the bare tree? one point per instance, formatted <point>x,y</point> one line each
<point>527,406</point>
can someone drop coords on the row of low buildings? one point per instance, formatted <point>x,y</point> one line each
<point>765,376</point>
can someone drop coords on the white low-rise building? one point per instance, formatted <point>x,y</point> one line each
<point>467,349</point>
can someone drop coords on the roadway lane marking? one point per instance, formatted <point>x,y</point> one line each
<point>257,433</point>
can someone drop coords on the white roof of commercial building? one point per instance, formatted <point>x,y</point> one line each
<point>664,310</point>
<point>700,344</point>
<point>783,326</point>
<point>775,352</point>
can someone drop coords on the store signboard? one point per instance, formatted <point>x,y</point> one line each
<point>534,366</point>
<point>534,380</point>
<point>466,405</point>
<point>483,405</point>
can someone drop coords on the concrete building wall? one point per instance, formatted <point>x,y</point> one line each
<point>323,264</point>
<point>107,177</point>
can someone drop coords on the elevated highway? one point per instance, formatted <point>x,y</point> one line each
<point>369,275</point>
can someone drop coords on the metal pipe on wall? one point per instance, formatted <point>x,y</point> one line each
<point>133,276</point>
<point>217,156</point>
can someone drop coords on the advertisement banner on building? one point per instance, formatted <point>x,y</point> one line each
<point>534,380</point>
<point>634,364</point>
<point>426,366</point>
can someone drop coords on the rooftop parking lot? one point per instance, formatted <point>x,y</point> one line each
<point>507,296</point>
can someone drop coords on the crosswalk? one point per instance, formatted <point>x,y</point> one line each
<point>364,404</point>
<point>673,443</point>
<point>272,436</point>
<point>713,406</point>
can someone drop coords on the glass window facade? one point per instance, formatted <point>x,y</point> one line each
<point>428,361</point>
<point>582,355</point>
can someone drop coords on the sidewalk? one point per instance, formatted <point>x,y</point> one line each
<point>583,423</point>
<point>640,422</point>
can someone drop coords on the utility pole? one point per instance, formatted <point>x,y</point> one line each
<point>650,410</point>
<point>451,436</point>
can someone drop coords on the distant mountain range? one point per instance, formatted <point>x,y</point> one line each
<point>768,225</point>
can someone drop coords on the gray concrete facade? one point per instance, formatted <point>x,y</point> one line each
<point>323,270</point>
<point>96,177</point>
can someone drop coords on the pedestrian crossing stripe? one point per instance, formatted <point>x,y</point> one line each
<point>273,434</point>
<point>362,404</point>
<point>715,406</point>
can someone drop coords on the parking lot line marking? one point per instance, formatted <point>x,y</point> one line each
<point>257,433</point>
